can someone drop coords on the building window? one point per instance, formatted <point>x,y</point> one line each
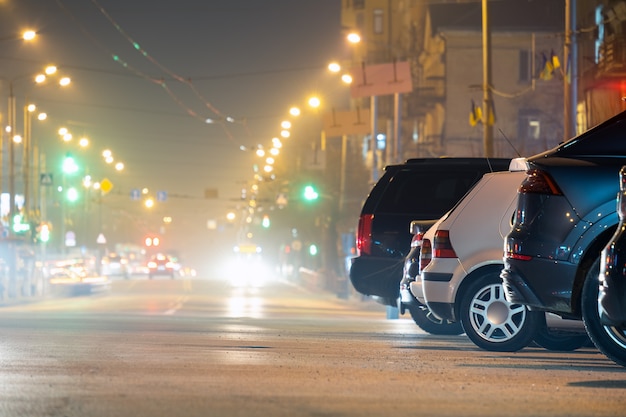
<point>378,21</point>
<point>359,21</point>
<point>524,66</point>
<point>529,125</point>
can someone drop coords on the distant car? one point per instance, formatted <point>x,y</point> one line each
<point>609,335</point>
<point>114,264</point>
<point>461,260</point>
<point>161,264</point>
<point>419,189</point>
<point>564,217</point>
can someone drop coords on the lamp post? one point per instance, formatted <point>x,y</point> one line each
<point>15,138</point>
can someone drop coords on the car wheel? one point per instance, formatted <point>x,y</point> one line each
<point>491,322</point>
<point>609,340</point>
<point>555,341</point>
<point>433,325</point>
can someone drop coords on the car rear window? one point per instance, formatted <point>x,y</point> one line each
<point>606,139</point>
<point>428,192</point>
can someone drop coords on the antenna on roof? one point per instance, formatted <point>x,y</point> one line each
<point>509,142</point>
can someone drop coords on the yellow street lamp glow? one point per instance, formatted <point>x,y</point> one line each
<point>67,137</point>
<point>353,37</point>
<point>149,203</point>
<point>109,160</point>
<point>39,78</point>
<point>17,139</point>
<point>286,124</point>
<point>346,78</point>
<point>277,143</point>
<point>65,81</point>
<point>285,133</point>
<point>260,153</point>
<point>119,166</point>
<point>268,168</point>
<point>334,67</point>
<point>62,131</point>
<point>230,216</point>
<point>31,108</point>
<point>269,160</point>
<point>83,142</point>
<point>294,111</point>
<point>274,151</point>
<point>29,35</point>
<point>42,116</point>
<point>107,153</point>
<point>50,69</point>
<point>314,102</point>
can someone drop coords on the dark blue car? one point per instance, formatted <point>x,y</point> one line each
<point>566,215</point>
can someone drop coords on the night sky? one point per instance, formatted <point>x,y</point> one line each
<point>146,74</point>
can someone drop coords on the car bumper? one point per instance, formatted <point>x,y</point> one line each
<point>541,284</point>
<point>377,276</point>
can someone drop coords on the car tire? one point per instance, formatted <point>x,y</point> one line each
<point>555,341</point>
<point>609,340</point>
<point>426,321</point>
<point>491,322</point>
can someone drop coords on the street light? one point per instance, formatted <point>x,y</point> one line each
<point>11,129</point>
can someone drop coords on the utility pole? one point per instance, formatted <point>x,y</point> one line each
<point>570,83</point>
<point>488,113</point>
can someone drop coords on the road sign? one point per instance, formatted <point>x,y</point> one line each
<point>45,178</point>
<point>106,185</point>
<point>161,196</point>
<point>135,194</point>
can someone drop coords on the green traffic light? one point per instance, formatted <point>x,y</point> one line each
<point>69,165</point>
<point>310,193</point>
<point>72,194</point>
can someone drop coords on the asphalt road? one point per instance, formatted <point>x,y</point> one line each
<point>204,348</point>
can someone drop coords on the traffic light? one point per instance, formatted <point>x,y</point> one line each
<point>266,221</point>
<point>310,193</point>
<point>72,194</point>
<point>69,164</point>
<point>43,232</point>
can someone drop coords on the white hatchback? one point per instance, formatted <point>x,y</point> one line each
<point>461,259</point>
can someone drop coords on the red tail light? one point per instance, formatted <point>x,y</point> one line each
<point>417,239</point>
<point>442,247</point>
<point>425,254</point>
<point>364,234</point>
<point>539,182</point>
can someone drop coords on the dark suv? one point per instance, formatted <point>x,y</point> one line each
<point>419,189</point>
<point>565,215</point>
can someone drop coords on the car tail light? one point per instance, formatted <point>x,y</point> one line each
<point>538,182</point>
<point>442,247</point>
<point>417,240</point>
<point>512,252</point>
<point>426,254</point>
<point>364,234</point>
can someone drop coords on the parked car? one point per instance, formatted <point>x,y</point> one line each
<point>420,189</point>
<point>422,316</point>
<point>460,263</point>
<point>565,216</point>
<point>609,333</point>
